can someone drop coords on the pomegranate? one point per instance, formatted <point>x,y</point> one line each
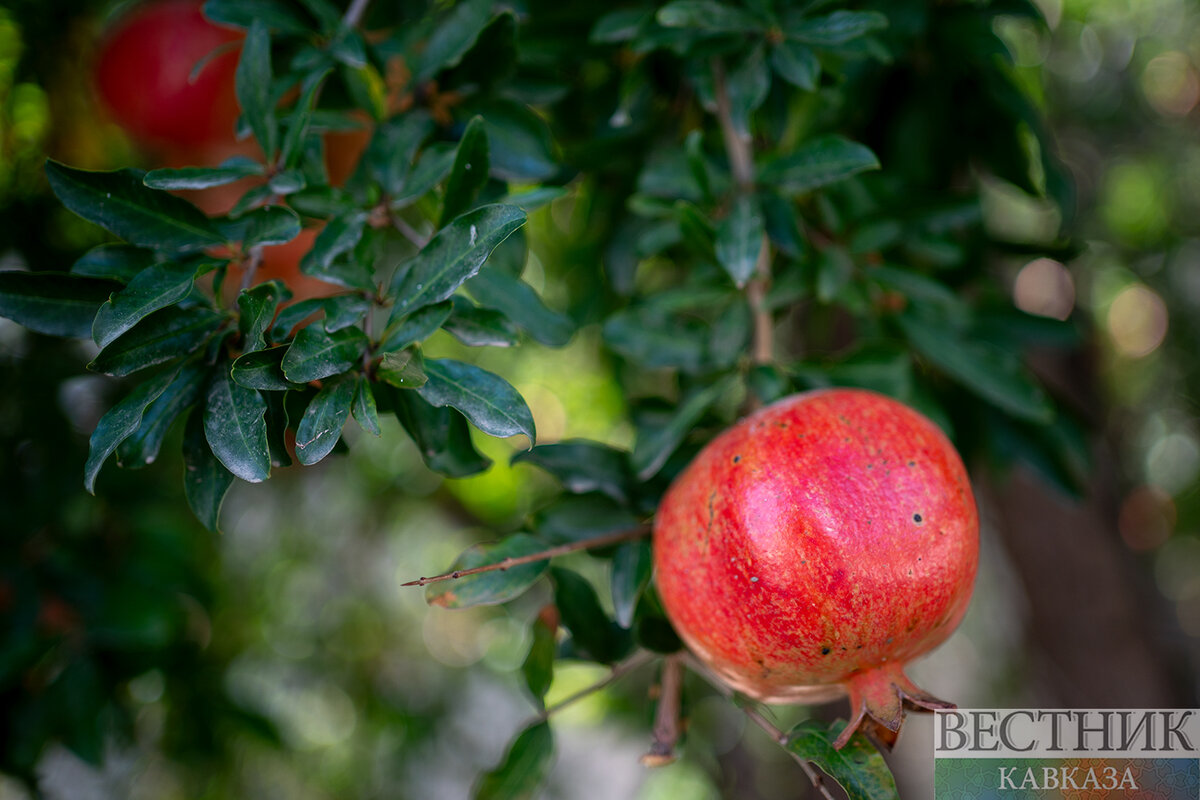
<point>815,548</point>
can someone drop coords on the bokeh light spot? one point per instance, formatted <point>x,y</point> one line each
<point>1171,84</point>
<point>1137,321</point>
<point>1044,287</point>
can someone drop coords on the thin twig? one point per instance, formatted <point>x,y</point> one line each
<point>418,239</point>
<point>252,265</point>
<point>355,12</point>
<point>666,716</point>
<point>761,721</point>
<point>562,549</point>
<point>638,659</point>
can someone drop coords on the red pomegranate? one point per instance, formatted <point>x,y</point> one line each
<point>815,548</point>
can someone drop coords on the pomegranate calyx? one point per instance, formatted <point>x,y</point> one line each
<point>878,697</point>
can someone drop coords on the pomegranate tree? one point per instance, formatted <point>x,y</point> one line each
<point>818,546</point>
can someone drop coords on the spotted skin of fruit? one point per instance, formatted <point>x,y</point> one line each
<point>816,547</point>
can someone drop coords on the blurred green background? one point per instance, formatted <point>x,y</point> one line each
<point>283,659</point>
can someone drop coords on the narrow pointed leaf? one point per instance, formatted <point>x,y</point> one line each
<point>479,327</point>
<point>268,225</point>
<point>836,28</point>
<point>538,667</point>
<point>323,420</point>
<point>236,429</point>
<point>469,173</point>
<point>119,262</point>
<point>293,138</point>
<point>797,64</point>
<point>858,767</point>
<point>339,236</point>
<point>292,315</point>
<point>364,409</point>
<point>163,336</point>
<point>583,466</point>
<point>121,421</point>
<point>486,399</point>
<point>653,450</point>
<point>630,574</point>
<point>203,177</point>
<point>591,629</point>
<point>205,479</point>
<point>257,306</point>
<point>517,301</point>
<point>525,767</point>
<point>253,85</point>
<point>740,240</point>
<point>316,354</point>
<point>453,37</point>
<point>54,303</point>
<point>821,162</point>
<point>442,436</point>
<point>141,448</point>
<point>151,289</point>
<point>344,310</point>
<point>417,326</point>
<point>708,15</point>
<point>404,370</point>
<point>121,203</point>
<point>490,588</point>
<point>263,370</point>
<point>455,254</point>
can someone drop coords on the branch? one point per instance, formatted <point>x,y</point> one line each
<point>355,12</point>
<point>666,716</point>
<point>761,721</point>
<point>562,549</point>
<point>252,265</point>
<point>741,164</point>
<point>638,659</point>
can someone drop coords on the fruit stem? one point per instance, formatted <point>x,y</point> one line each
<point>741,164</point>
<point>878,698</point>
<point>666,715</point>
<point>562,549</point>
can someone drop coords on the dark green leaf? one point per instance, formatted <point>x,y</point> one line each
<point>835,268</point>
<point>479,327</point>
<point>532,199</point>
<point>441,435</point>
<point>730,337</point>
<point>316,354</point>
<point>538,667</point>
<point>120,203</point>
<point>254,86</point>
<point>236,428</point>
<point>583,466</point>
<point>323,420</point>
<point>344,310</point>
<point>53,303</point>
<point>205,479</point>
<point>797,64</point>
<point>151,289</point>
<point>620,26</point>
<point>230,171</point>
<point>651,629</point>
<point>858,767</point>
<point>708,15</point>
<point>121,421</point>
<point>740,239</point>
<point>277,424</point>
<point>520,147</point>
<point>269,225</point>
<point>748,85</point>
<point>455,254</point>
<point>591,629</point>
<point>257,309</point>
<point>820,162</point>
<point>768,383</point>
<point>117,261</point>
<point>920,289</point>
<point>338,237</point>
<point>651,341</point>
<point>297,130</point>
<point>389,155</point>
<point>433,165</point>
<point>525,767</point>
<point>279,15</point>
<point>403,369</point>
<point>836,28</point>
<point>575,517</point>
<point>630,574</point>
<point>325,13</point>
<point>417,326</point>
<point>364,410</point>
<point>995,375</point>
<point>287,182</point>
<point>487,400</point>
<point>496,586</point>
<point>469,173</point>
<point>141,448</point>
<point>885,370</point>
<point>654,448</point>
<point>262,369</point>
<point>453,37</point>
<point>163,336</point>
<point>517,300</point>
<point>292,315</point>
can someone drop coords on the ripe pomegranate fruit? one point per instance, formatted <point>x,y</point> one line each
<point>815,548</point>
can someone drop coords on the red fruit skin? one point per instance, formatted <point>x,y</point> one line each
<point>143,73</point>
<point>816,547</point>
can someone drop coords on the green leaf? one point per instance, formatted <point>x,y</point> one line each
<point>417,326</point>
<point>517,301</point>
<point>995,375</point>
<point>797,64</point>
<point>253,86</point>
<point>117,261</point>
<point>538,667</point>
<point>141,448</point>
<point>441,435</point>
<point>54,303</point>
<point>455,254</point>
<point>339,236</point>
<point>479,327</point>
<point>389,156</point>
<point>654,448</point>
<point>858,767</point>
<point>403,369</point>
<point>630,575</point>
<point>431,168</point>
<point>292,315</point>
<point>583,466</point>
<point>327,15</point>
<point>323,420</point>
<point>263,370</point>
<point>835,268</point>
<point>316,354</point>
<point>748,86</point>
<point>836,28</point>
<point>740,239</point>
<point>520,146</point>
<point>157,287</point>
<point>591,629</point>
<point>708,15</point>
<point>344,310</point>
<point>205,479</point>
<point>920,290</point>
<point>652,340</point>
<point>278,15</point>
<point>287,182</point>
<point>496,586</point>
<point>452,38</point>
<point>163,336</point>
<point>619,26</point>
<point>120,203</point>
<point>269,225</point>
<point>297,130</point>
<point>820,162</point>
<point>524,768</point>
<point>576,517</point>
<point>486,399</point>
<point>364,409</point>
<point>121,421</point>
<point>236,429</point>
<point>729,339</point>
<point>230,171</point>
<point>469,173</point>
<point>256,307</point>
